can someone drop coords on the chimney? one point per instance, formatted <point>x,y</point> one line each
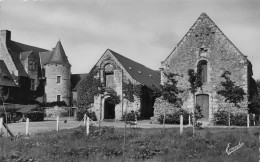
<point>5,35</point>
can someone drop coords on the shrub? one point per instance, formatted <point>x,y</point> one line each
<point>174,118</point>
<point>35,115</point>
<point>131,116</point>
<point>238,119</point>
<point>55,103</point>
<point>90,114</point>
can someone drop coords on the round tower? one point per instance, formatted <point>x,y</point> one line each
<point>57,74</point>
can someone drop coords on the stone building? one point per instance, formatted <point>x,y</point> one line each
<point>57,73</point>
<point>206,46</point>
<point>35,71</point>
<point>114,70</point>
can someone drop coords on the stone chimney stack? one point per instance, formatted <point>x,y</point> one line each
<point>5,36</point>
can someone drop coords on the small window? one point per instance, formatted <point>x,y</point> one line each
<point>32,84</point>
<point>58,79</point>
<point>58,97</point>
<point>202,67</point>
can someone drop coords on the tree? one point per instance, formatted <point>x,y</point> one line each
<point>232,93</point>
<point>195,82</point>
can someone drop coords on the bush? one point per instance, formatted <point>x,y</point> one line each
<point>90,114</point>
<point>55,103</point>
<point>131,116</point>
<point>174,118</point>
<point>35,115</point>
<point>238,119</point>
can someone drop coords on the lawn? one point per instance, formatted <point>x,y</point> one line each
<point>106,144</point>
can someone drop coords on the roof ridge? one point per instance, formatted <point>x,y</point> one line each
<point>203,15</point>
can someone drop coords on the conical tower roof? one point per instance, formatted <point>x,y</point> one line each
<point>59,56</point>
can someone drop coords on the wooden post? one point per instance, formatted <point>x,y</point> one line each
<point>87,126</point>
<point>248,122</point>
<point>164,115</point>
<point>57,126</point>
<point>85,117</point>
<point>27,127</point>
<point>1,124</point>
<point>181,124</point>
<point>254,118</point>
<point>189,120</point>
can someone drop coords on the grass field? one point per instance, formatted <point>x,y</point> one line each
<point>106,144</point>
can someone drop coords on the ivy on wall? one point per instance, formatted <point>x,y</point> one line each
<point>87,89</point>
<point>130,90</point>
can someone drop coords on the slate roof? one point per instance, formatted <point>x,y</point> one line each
<point>139,72</point>
<point>5,76</point>
<point>25,55</point>
<point>59,56</point>
<point>15,48</point>
<point>76,79</point>
<point>56,56</point>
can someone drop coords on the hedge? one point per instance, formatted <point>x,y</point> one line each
<point>35,115</point>
<point>237,119</point>
<point>90,114</point>
<point>174,118</point>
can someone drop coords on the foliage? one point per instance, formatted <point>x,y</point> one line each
<point>238,119</point>
<point>105,144</point>
<point>231,92</point>
<point>35,115</point>
<point>174,118</point>
<point>55,103</point>
<point>87,89</point>
<point>255,105</point>
<point>169,90</point>
<point>113,97</point>
<point>198,113</point>
<point>131,116</point>
<point>90,114</point>
<point>130,90</point>
<point>195,80</point>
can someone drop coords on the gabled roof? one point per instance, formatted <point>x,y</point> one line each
<point>45,57</point>
<point>5,76</point>
<point>210,25</point>
<point>76,79</point>
<point>15,48</point>
<point>58,55</point>
<point>139,72</point>
<point>25,55</point>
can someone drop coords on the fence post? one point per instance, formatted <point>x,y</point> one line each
<point>27,127</point>
<point>85,117</point>
<point>254,118</point>
<point>87,126</point>
<point>57,126</point>
<point>1,124</point>
<point>248,122</point>
<point>181,124</point>
<point>189,120</point>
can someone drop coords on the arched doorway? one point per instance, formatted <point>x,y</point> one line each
<point>203,101</point>
<point>109,110</point>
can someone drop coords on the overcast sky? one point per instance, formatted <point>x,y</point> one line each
<point>145,31</point>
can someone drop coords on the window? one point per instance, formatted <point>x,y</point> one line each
<point>32,65</point>
<point>203,70</point>
<point>58,97</point>
<point>33,84</point>
<point>58,79</point>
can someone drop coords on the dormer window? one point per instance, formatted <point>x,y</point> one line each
<point>32,65</point>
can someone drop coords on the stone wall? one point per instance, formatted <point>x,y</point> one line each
<point>52,88</point>
<point>205,41</point>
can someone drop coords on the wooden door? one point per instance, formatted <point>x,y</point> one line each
<point>203,101</point>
